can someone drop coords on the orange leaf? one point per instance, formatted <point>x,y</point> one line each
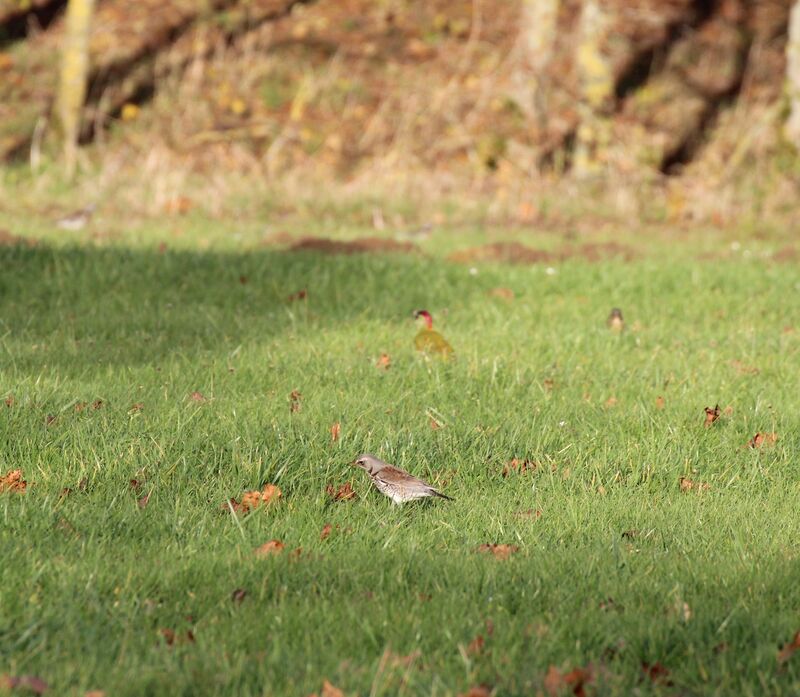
<point>504,293</point>
<point>197,397</point>
<point>269,548</point>
<point>29,683</point>
<point>788,649</point>
<point>13,481</point>
<point>326,531</point>
<point>475,647</point>
<point>10,400</point>
<point>761,439</point>
<point>138,406</point>
<point>342,493</point>
<point>94,693</point>
<point>711,415</point>
<point>687,484</point>
<point>477,691</point>
<point>329,690</point>
<point>500,551</point>
<point>743,368</point>
<point>299,295</point>
<point>656,673</point>
<point>660,402</point>
<point>335,430</point>
<point>611,402</point>
<point>519,466</point>
<point>295,399</point>
<point>253,499</point>
<point>384,361</point>
<point>435,425</point>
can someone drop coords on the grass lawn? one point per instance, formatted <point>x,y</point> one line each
<point>662,591</point>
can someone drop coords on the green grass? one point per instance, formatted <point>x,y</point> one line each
<point>87,581</point>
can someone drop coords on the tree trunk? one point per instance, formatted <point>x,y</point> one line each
<point>74,75</point>
<point>792,129</point>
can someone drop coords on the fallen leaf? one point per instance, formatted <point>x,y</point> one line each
<point>269,548</point>
<point>295,401</point>
<point>326,531</point>
<point>178,205</point>
<point>384,361</point>
<point>97,404</point>
<point>79,407</point>
<point>137,407</point>
<point>94,693</point>
<point>10,401</point>
<point>660,402</point>
<point>335,430</point>
<point>31,683</point>
<point>434,424</point>
<point>343,493</point>
<point>687,484</point>
<point>135,484</point>
<point>555,682</point>
<point>253,499</point>
<point>243,280</point>
<point>172,638</point>
<point>238,595</point>
<point>162,248</point>
<point>13,481</point>
<point>399,661</point>
<point>789,648</point>
<point>761,439</point>
<point>503,293</point>
<point>611,402</point>
<point>500,551</point>
<point>728,410</point>
<point>197,397</point>
<point>475,647</point>
<point>530,513</point>
<point>49,419</point>
<point>743,368</point>
<point>711,415</point>
<point>519,466</point>
<point>656,673</point>
<point>722,647</point>
<point>477,691</point>
<point>299,295</point>
<point>329,690</point>
<point>142,502</point>
<point>548,384</point>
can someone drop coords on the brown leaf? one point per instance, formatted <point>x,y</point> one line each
<point>299,295</point>
<point>269,548</point>
<point>243,280</point>
<point>30,683</point>
<point>384,361</point>
<point>503,293</point>
<point>178,205</point>
<point>329,690</point>
<point>79,407</point>
<point>335,430</point>
<point>660,402</point>
<point>656,673</point>
<point>13,481</point>
<point>743,368</point>
<point>555,682</point>
<point>712,415</point>
<point>326,531</point>
<point>10,401</point>
<point>172,638</point>
<point>197,397</point>
<point>142,502</point>
<point>342,493</point>
<point>253,499</point>
<point>611,402</point>
<point>789,648</point>
<point>530,513</point>
<point>500,551</point>
<point>548,384</point>
<point>97,404</point>
<point>762,439</point>
<point>477,691</point>
<point>238,595</point>
<point>136,407</point>
<point>94,693</point>
<point>519,466</point>
<point>295,401</point>
<point>687,484</point>
<point>49,419</point>
<point>435,425</point>
<point>135,485</point>
<point>475,647</point>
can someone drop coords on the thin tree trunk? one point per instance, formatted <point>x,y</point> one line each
<point>792,128</point>
<point>74,74</point>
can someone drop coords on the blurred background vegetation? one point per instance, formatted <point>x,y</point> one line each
<point>665,110</point>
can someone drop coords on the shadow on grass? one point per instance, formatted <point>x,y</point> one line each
<point>78,307</point>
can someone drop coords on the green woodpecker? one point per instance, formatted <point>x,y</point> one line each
<point>428,340</point>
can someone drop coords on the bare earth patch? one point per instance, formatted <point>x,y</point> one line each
<point>360,246</point>
<point>517,253</point>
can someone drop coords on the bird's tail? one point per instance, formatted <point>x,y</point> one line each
<point>441,495</point>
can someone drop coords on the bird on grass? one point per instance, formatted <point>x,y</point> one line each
<point>397,484</point>
<point>615,321</point>
<point>77,219</point>
<point>428,340</point>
